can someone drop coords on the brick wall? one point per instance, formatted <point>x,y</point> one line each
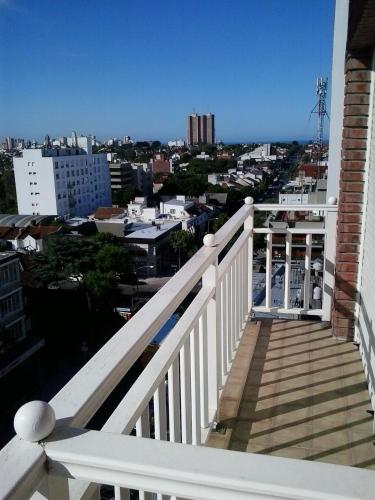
<point>353,156</point>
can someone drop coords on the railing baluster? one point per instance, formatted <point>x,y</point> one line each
<point>237,297</point>
<point>203,369</point>
<point>329,261</point>
<point>249,225</point>
<point>269,270</point>
<point>210,279</point>
<point>185,393</point>
<point>174,402</point>
<point>288,260</point>
<point>142,429</point>
<point>306,299</point>
<point>228,316</point>
<point>160,413</point>
<point>195,386</point>
<point>233,301</point>
<point>224,335</point>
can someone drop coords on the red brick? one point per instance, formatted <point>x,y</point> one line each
<point>357,88</point>
<point>344,322</point>
<point>351,176</point>
<point>350,218</point>
<point>353,154</point>
<point>352,187</point>
<point>347,247</point>
<point>358,62</point>
<point>355,121</point>
<point>353,165</point>
<point>347,257</point>
<point>355,133</point>
<point>356,110</point>
<point>349,267</point>
<point>344,333</point>
<point>350,207</point>
<point>348,238</point>
<point>354,144</point>
<point>348,305</point>
<point>359,76</point>
<point>356,99</point>
<point>351,198</point>
<point>346,279</point>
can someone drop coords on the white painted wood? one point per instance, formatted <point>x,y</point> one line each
<point>224,327</point>
<point>160,412</point>
<point>125,416</point>
<point>365,308</point>
<point>202,472</point>
<point>195,387</point>
<point>288,259</point>
<point>329,263</point>
<point>185,389</point>
<point>249,226</point>
<point>58,488</point>
<point>307,283</point>
<point>203,369</point>
<point>124,493</point>
<point>210,278</point>
<point>272,230</point>
<point>228,315</point>
<point>268,269</point>
<point>174,402</point>
<point>294,310</point>
<point>22,466</point>
<point>143,424</point>
<point>270,207</point>
<point>232,308</point>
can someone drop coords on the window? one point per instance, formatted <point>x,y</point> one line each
<point>56,164</point>
<point>57,176</point>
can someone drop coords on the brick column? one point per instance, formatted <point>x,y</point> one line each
<point>350,203</point>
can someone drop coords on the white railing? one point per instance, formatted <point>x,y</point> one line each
<point>175,398</point>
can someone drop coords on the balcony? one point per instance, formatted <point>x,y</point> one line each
<point>269,387</point>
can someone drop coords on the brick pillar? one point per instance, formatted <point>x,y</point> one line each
<point>350,203</point>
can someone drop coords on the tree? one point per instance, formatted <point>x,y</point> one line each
<point>219,222</point>
<point>101,288</point>
<point>112,258</point>
<point>183,243</point>
<point>125,196</point>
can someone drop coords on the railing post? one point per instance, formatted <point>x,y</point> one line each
<point>210,279</point>
<point>249,224</point>
<point>329,259</point>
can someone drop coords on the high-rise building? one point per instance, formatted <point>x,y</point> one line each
<point>62,181</point>
<point>201,129</point>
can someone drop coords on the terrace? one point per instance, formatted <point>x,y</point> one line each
<point>283,388</point>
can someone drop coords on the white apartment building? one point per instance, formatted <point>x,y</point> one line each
<point>64,181</point>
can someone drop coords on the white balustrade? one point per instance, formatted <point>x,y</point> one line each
<point>175,398</point>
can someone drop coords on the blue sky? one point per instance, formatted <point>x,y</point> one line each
<point>138,68</point>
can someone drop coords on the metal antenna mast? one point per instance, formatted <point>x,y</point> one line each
<point>321,110</point>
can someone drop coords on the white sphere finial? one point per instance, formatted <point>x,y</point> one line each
<point>209,240</point>
<point>332,200</point>
<point>34,421</point>
<point>249,200</point>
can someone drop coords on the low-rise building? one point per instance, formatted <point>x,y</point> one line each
<point>28,239</point>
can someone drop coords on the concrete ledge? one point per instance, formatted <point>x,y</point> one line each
<point>231,396</point>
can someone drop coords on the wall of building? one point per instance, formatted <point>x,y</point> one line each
<point>351,198</point>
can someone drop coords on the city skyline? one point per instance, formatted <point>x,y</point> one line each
<point>64,75</point>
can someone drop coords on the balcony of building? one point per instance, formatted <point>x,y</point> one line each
<point>282,389</point>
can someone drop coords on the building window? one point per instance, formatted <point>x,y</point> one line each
<point>57,176</point>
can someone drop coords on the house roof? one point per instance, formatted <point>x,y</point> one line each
<point>36,232</point>
<point>102,213</point>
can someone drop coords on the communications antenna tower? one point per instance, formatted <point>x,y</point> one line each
<point>321,110</point>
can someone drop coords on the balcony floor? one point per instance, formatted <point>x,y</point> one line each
<point>303,396</point>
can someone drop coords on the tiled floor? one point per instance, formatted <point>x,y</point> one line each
<point>304,397</point>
